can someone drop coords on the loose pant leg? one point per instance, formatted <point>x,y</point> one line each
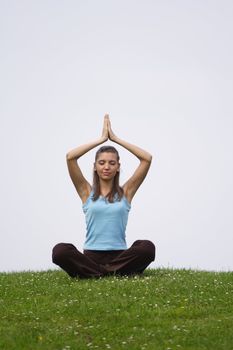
<point>133,260</point>
<point>75,263</point>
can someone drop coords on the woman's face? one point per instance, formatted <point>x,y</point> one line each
<point>107,165</point>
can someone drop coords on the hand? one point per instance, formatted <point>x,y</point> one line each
<point>105,128</point>
<point>111,134</point>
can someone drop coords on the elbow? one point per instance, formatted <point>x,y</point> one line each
<point>149,158</point>
<point>68,156</point>
<point>71,156</point>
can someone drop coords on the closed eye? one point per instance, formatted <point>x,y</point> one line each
<point>102,162</point>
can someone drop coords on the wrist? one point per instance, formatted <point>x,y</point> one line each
<point>113,138</point>
<point>116,139</point>
<point>103,139</point>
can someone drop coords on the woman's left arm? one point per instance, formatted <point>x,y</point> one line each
<point>145,158</point>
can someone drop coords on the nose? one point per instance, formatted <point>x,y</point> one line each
<point>106,166</point>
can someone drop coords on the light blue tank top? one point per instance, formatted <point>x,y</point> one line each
<point>105,223</point>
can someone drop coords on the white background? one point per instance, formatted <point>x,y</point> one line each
<point>163,71</point>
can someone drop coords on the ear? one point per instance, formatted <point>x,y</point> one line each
<point>119,167</point>
<point>94,167</point>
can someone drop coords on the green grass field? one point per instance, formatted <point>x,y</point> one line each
<point>162,310</point>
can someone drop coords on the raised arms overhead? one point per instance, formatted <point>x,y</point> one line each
<point>145,158</point>
<point>132,184</point>
<point>81,184</point>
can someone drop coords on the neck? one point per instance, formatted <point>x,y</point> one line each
<point>105,187</point>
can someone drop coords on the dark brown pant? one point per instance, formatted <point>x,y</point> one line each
<point>93,263</point>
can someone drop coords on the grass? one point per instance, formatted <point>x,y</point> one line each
<point>163,309</point>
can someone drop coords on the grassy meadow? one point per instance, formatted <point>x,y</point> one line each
<point>164,309</point>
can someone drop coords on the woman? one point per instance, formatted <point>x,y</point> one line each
<point>106,206</point>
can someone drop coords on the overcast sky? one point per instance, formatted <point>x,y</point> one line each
<point>163,71</point>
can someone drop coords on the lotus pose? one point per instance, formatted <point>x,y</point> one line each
<point>106,206</point>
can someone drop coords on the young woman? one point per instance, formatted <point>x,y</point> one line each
<point>106,206</point>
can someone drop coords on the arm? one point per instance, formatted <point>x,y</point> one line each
<point>145,158</point>
<point>81,184</point>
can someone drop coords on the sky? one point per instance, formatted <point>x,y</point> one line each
<point>163,72</point>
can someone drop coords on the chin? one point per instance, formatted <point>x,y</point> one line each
<point>107,177</point>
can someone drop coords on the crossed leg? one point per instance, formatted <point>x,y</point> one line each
<point>127,262</point>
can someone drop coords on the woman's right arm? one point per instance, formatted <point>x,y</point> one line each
<point>81,184</point>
